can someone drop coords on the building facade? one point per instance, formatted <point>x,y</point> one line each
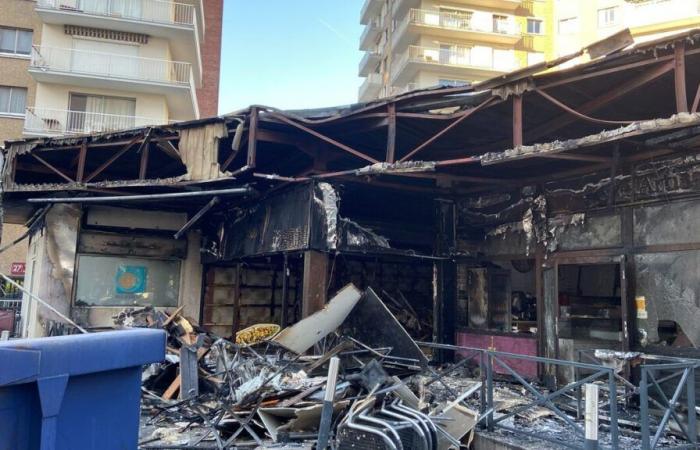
<point>579,23</point>
<point>412,44</point>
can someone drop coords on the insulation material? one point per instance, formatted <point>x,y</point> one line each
<point>199,150</point>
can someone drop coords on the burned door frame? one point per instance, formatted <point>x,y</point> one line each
<point>583,258</point>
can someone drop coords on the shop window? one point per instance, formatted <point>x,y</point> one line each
<point>125,281</point>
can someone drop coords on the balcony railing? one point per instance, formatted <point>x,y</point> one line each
<point>463,22</point>
<point>460,57</point>
<point>60,121</point>
<point>111,65</point>
<point>156,11</point>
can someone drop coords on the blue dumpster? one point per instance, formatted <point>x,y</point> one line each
<point>78,392</point>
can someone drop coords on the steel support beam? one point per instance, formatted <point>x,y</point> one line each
<point>252,138</point>
<point>323,137</point>
<point>439,134</point>
<point>114,157</point>
<point>82,157</point>
<point>517,121</point>
<point>679,77</point>
<point>314,283</point>
<point>52,168</point>
<point>391,134</point>
<point>602,100</point>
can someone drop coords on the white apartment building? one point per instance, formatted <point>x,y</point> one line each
<point>104,65</point>
<point>412,44</point>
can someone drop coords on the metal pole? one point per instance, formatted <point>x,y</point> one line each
<point>692,415</point>
<point>285,288</point>
<point>644,409</point>
<point>327,411</point>
<point>612,394</point>
<point>145,197</point>
<point>489,390</point>
<point>591,416</point>
<point>32,296</point>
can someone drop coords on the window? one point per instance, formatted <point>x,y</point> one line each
<point>13,100</point>
<point>606,17</point>
<point>97,113</point>
<point>15,41</point>
<point>568,26</point>
<point>126,281</point>
<point>534,26</point>
<point>500,24</point>
<point>455,18</point>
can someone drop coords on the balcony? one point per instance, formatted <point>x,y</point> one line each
<point>370,88</point>
<point>177,22</point>
<point>49,122</point>
<point>461,63</point>
<point>369,63</point>
<point>655,12</point>
<point>474,26</point>
<point>369,35</point>
<point>370,9</point>
<point>173,79</point>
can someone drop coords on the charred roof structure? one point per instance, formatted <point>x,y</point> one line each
<point>541,212</point>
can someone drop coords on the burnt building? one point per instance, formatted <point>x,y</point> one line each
<point>541,212</point>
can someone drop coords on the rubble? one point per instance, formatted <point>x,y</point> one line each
<point>271,391</point>
<point>346,377</point>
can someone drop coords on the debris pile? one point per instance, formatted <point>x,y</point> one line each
<point>348,376</point>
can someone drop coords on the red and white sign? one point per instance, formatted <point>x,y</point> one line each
<point>17,268</point>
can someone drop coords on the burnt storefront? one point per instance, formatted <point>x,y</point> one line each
<point>541,212</point>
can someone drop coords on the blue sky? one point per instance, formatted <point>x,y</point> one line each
<point>289,54</point>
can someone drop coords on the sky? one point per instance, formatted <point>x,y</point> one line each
<point>289,54</point>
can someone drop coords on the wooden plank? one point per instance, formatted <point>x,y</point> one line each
<point>172,389</point>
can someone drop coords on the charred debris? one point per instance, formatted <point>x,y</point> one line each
<point>542,214</point>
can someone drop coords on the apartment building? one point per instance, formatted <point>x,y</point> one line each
<point>69,67</point>
<point>82,66</point>
<point>412,44</point>
<point>578,23</point>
